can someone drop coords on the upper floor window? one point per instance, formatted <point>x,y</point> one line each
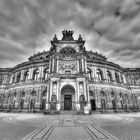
<point>26,76</point>
<point>18,77</point>
<point>89,73</point>
<point>46,71</point>
<point>117,77</point>
<point>99,75</point>
<point>36,74</point>
<point>109,76</point>
<point>122,79</point>
<point>13,78</point>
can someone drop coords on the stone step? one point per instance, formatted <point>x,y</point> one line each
<point>68,112</point>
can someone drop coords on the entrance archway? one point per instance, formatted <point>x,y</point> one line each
<point>67,97</point>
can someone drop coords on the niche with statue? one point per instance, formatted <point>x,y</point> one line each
<point>53,102</point>
<point>82,102</point>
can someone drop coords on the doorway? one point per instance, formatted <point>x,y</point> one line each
<point>114,104</point>
<point>67,102</point>
<point>93,105</point>
<point>67,97</point>
<point>43,105</point>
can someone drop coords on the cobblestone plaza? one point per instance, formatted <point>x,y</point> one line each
<point>25,126</point>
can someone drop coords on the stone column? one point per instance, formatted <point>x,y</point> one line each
<point>57,71</point>
<point>30,70</point>
<point>78,94</point>
<point>105,73</point>
<point>50,90</point>
<point>11,79</point>
<point>15,80</point>
<point>124,79</point>
<point>58,107</point>
<point>22,76</point>
<point>53,64</point>
<point>88,99</point>
<point>82,64</point>
<point>77,97</point>
<point>57,90</point>
<point>85,65</point>
<point>42,72</point>
<point>94,74</point>
<point>77,66</point>
<point>31,74</point>
<point>113,75</point>
<point>47,98</point>
<point>120,77</point>
<point>85,91</point>
<point>50,65</point>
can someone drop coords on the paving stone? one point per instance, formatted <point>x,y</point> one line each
<point>69,127</point>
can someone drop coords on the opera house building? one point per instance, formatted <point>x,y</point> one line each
<point>69,77</point>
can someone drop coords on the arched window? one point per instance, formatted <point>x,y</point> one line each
<point>13,78</point>
<point>36,74</point>
<point>33,93</point>
<point>113,95</point>
<point>26,76</point>
<point>120,95</point>
<point>109,76</point>
<point>102,94</point>
<point>117,77</point>
<point>44,93</point>
<point>18,77</point>
<point>99,75</point>
<point>22,94</point>
<point>122,78</point>
<point>89,73</point>
<point>46,74</point>
<point>15,94</point>
<point>0,79</point>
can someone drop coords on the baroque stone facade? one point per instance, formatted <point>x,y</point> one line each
<point>68,77</point>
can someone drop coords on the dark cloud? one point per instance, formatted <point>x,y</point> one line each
<point>110,27</point>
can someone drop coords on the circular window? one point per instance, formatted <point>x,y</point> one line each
<point>68,53</point>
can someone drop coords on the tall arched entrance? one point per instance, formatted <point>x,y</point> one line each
<point>67,97</point>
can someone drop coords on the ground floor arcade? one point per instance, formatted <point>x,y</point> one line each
<point>73,94</point>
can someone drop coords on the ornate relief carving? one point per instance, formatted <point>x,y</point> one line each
<point>68,53</point>
<point>67,65</point>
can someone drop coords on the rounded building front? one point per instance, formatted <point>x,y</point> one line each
<point>68,77</point>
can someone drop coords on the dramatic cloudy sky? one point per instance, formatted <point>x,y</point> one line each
<point>110,27</point>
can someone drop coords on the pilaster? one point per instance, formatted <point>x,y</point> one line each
<point>22,75</point>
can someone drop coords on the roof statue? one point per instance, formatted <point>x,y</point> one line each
<point>67,35</point>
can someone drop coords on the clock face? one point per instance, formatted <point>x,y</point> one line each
<point>68,53</point>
